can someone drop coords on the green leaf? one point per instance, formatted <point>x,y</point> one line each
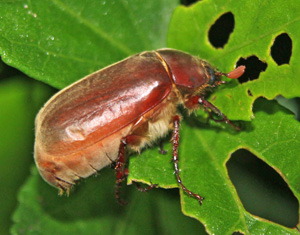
<point>45,40</point>
<point>203,167</point>
<point>17,94</point>
<point>257,23</point>
<point>92,208</point>
<point>60,41</point>
<point>271,136</point>
<point>12,95</point>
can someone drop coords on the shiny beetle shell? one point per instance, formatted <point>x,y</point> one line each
<point>79,130</point>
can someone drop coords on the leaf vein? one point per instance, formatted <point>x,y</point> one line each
<point>93,28</point>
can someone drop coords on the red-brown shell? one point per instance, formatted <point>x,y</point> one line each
<point>102,103</point>
<point>79,129</point>
<point>83,123</point>
<point>188,71</point>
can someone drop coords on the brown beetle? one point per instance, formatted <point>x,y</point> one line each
<point>88,125</point>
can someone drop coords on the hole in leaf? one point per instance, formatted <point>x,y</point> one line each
<point>262,190</point>
<point>188,2</point>
<point>281,49</point>
<point>254,67</point>
<point>220,31</point>
<point>249,92</point>
<point>237,233</point>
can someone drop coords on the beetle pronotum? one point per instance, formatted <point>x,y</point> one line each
<point>88,125</point>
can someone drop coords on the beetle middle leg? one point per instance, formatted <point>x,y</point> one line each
<point>175,140</point>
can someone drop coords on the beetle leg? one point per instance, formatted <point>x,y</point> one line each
<point>175,140</point>
<point>120,171</point>
<point>194,101</point>
<point>161,148</point>
<point>142,189</point>
<point>209,107</point>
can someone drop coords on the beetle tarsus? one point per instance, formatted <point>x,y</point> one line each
<point>175,140</point>
<point>146,189</point>
<point>121,201</point>
<point>161,148</point>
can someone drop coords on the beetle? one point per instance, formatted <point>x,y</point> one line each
<point>130,104</point>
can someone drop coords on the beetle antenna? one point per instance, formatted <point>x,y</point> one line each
<point>239,71</point>
<point>236,73</point>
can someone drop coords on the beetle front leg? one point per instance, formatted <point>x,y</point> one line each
<point>209,106</point>
<point>175,140</point>
<point>194,101</point>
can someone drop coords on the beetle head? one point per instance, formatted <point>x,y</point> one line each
<point>192,74</point>
<point>188,72</point>
<point>215,76</point>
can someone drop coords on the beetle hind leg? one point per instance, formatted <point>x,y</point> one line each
<point>121,171</point>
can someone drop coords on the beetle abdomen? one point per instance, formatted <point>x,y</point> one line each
<point>63,171</point>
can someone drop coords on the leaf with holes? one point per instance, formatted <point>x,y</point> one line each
<point>59,41</point>
<point>254,34</point>
<point>271,136</point>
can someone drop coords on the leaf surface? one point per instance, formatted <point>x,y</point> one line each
<point>272,135</point>
<point>58,42</point>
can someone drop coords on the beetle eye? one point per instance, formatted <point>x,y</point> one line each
<point>212,77</point>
